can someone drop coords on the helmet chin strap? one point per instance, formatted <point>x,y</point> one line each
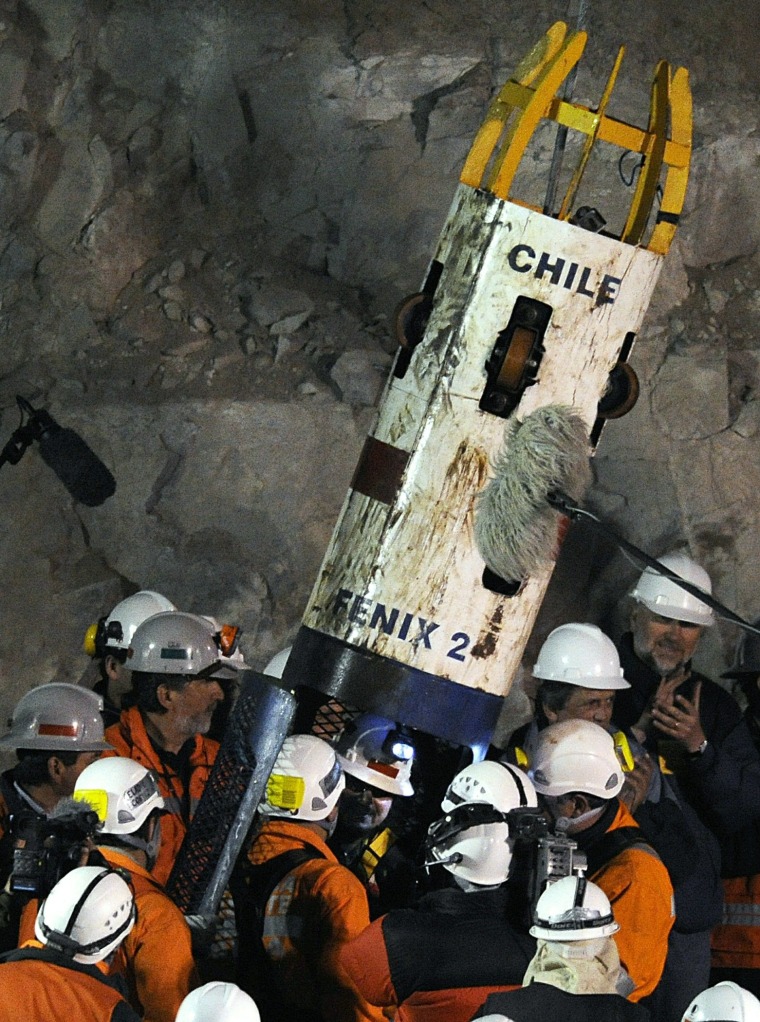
<point>150,847</point>
<point>328,826</point>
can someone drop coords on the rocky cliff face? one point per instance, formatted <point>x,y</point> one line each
<point>210,210</point>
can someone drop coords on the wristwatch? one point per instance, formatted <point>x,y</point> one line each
<point>700,750</point>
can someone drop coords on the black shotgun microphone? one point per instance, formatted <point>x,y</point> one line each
<point>77,466</point>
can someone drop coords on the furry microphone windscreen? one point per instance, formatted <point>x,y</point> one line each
<point>515,528</point>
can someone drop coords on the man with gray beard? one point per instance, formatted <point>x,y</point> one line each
<point>692,724</point>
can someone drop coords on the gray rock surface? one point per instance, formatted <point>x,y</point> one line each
<point>210,210</point>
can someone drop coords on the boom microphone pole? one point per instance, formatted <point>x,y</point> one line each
<point>562,503</point>
<point>77,466</point>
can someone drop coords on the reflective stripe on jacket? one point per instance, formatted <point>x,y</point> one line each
<point>736,941</point>
<point>313,911</point>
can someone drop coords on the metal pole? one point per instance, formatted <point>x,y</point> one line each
<point>561,137</point>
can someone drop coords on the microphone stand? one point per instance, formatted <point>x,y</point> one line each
<point>562,503</point>
<point>24,436</point>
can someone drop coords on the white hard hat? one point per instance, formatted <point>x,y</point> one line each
<point>473,840</point>
<point>121,791</point>
<point>667,598</point>
<point>218,1002</point>
<point>573,909</point>
<point>500,785</point>
<point>177,643</point>
<point>276,666</point>
<point>366,750</point>
<point>580,654</point>
<point>115,631</point>
<point>57,717</point>
<point>725,1002</point>
<point>87,914</point>
<point>306,780</point>
<point>576,755</point>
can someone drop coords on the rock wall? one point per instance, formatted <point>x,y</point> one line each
<point>210,210</point>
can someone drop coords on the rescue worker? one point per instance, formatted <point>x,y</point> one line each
<point>107,642</point>
<point>62,975</point>
<point>442,958</point>
<point>56,731</point>
<point>218,1002</point>
<point>736,942</point>
<point>175,662</point>
<point>298,906</point>
<point>724,1001</point>
<point>578,777</point>
<point>377,759</point>
<point>575,975</point>
<point>689,721</point>
<point>580,678</point>
<point>157,956</point>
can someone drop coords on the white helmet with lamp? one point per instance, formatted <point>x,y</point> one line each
<point>474,840</point>
<point>573,909</point>
<point>378,752</point>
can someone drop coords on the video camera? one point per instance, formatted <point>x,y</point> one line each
<point>46,848</point>
<point>556,855</point>
<point>552,856</point>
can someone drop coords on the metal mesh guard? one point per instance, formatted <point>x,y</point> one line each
<point>255,731</point>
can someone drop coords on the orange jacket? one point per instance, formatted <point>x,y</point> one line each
<point>129,738</point>
<point>40,985</point>
<point>736,941</point>
<point>641,895</point>
<point>311,913</point>
<point>156,958</point>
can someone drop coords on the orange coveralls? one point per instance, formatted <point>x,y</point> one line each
<point>736,940</point>
<point>156,957</point>
<point>41,985</point>
<point>129,738</point>
<point>641,895</point>
<point>312,912</point>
